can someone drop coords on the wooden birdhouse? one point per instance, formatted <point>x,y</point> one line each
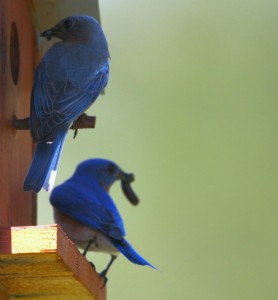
<point>37,262</point>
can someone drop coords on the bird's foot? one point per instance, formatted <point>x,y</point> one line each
<point>83,121</point>
<point>104,272</point>
<point>105,279</point>
<point>93,266</point>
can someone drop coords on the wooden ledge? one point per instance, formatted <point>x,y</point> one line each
<point>41,262</point>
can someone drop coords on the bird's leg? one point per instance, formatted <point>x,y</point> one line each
<point>83,121</point>
<point>104,272</point>
<point>75,133</point>
<point>86,250</point>
<point>88,246</point>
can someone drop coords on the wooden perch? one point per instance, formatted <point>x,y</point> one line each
<point>84,121</point>
<point>41,262</point>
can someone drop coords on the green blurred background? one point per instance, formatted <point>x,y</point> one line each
<point>191,109</point>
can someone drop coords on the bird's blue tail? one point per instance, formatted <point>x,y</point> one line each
<point>127,250</point>
<point>42,171</point>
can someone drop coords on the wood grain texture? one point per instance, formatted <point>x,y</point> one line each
<point>40,262</point>
<point>17,62</point>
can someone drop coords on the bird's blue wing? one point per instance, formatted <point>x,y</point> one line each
<point>57,103</point>
<point>97,210</point>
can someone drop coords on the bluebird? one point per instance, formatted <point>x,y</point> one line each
<point>67,81</point>
<point>85,211</point>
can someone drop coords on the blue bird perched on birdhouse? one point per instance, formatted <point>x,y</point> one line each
<point>86,212</point>
<point>70,77</point>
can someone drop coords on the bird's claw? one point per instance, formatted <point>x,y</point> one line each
<point>93,266</point>
<point>105,279</point>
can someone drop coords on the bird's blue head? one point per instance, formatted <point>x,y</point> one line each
<point>106,172</point>
<point>80,28</point>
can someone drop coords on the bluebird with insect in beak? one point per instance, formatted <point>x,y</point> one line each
<point>67,81</point>
<point>85,211</point>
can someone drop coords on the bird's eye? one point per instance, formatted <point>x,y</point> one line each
<point>68,23</point>
<point>111,168</point>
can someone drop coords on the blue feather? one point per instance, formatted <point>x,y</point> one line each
<point>44,164</point>
<point>127,250</point>
<point>84,198</point>
<point>68,80</point>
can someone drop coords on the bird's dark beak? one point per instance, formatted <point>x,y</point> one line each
<point>49,33</point>
<point>126,180</point>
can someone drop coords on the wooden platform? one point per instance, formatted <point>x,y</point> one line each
<point>40,262</point>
